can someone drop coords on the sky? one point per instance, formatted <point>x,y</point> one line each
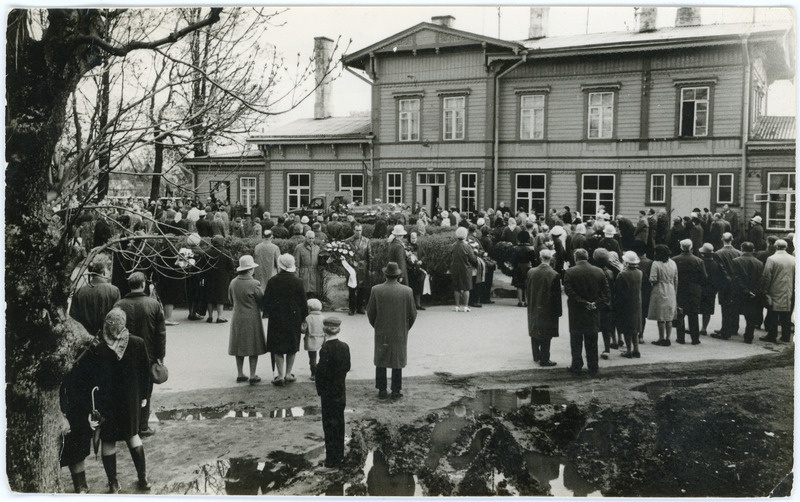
<point>366,24</point>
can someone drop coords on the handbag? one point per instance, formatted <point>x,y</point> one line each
<point>159,372</point>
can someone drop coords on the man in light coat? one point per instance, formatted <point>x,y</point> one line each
<point>266,255</point>
<point>392,313</point>
<point>777,284</point>
<point>306,255</point>
<point>543,291</point>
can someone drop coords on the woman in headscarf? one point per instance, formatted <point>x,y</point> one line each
<point>461,265</point>
<point>247,329</point>
<point>122,381</point>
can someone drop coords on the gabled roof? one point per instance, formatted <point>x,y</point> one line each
<point>331,129</point>
<point>429,36</point>
<point>775,129</point>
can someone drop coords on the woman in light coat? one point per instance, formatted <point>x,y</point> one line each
<point>663,302</point>
<point>247,331</point>
<point>461,266</point>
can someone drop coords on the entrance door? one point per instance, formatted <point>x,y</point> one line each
<point>431,196</point>
<point>690,191</point>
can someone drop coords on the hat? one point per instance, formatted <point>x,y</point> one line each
<point>609,230</point>
<point>331,325</point>
<point>580,228</point>
<point>392,270</point>
<point>399,230</point>
<point>218,240</point>
<point>630,257</point>
<point>461,233</point>
<point>445,214</point>
<point>246,263</point>
<point>202,213</point>
<point>194,239</point>
<point>481,222</point>
<point>314,305</point>
<point>286,262</point>
<point>304,219</point>
<point>706,249</point>
<point>268,233</point>
<point>557,231</point>
<point>756,219</point>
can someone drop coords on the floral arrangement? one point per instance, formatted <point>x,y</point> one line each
<point>185,258</point>
<point>479,252</point>
<point>332,253</point>
<point>412,260</point>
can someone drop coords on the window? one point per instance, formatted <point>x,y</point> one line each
<point>597,190</point>
<point>220,190</point>
<point>430,179</point>
<point>531,116</point>
<point>781,203</point>
<point>725,188</point>
<point>298,190</point>
<point>691,180</point>
<point>408,119</point>
<point>694,111</point>
<point>353,183</point>
<point>530,193</point>
<point>469,194</point>
<point>247,193</point>
<point>601,115</point>
<point>394,188</point>
<point>453,117</point>
<point>657,188</point>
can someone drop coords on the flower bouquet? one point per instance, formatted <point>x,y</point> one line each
<point>332,255</point>
<point>185,258</point>
<point>479,252</point>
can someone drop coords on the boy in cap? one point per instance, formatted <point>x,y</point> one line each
<point>334,363</point>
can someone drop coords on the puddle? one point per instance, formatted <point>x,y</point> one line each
<point>657,389</point>
<point>210,413</point>
<point>491,401</point>
<point>558,476</point>
<point>382,484</point>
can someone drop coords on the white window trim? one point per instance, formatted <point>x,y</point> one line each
<point>600,120</point>
<point>707,101</point>
<point>457,135</point>
<point>698,185</point>
<point>297,189</point>
<point>613,190</point>
<point>415,134</point>
<point>789,195</point>
<point>399,187</point>
<point>435,174</point>
<point>351,188</point>
<point>663,200</point>
<point>517,189</point>
<point>462,190</point>
<point>249,204</point>
<point>532,117</point>
<point>732,185</point>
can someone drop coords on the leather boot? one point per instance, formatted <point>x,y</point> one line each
<point>110,466</point>
<point>137,454</point>
<point>79,482</point>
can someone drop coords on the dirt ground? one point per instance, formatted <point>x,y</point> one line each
<point>720,428</point>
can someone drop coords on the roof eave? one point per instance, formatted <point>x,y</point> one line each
<point>304,140</point>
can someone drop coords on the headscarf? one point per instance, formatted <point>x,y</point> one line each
<point>115,334</point>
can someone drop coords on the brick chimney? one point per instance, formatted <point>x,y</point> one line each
<point>687,16</point>
<point>323,52</point>
<point>645,18</point>
<point>540,17</point>
<point>446,21</point>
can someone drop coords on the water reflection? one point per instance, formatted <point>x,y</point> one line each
<point>380,483</point>
<point>209,413</point>
<point>559,476</point>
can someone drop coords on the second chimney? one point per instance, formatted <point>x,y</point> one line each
<point>539,21</point>
<point>323,52</point>
<point>645,18</point>
<point>687,16</point>
<point>446,21</point>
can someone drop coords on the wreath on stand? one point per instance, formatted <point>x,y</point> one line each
<point>338,257</point>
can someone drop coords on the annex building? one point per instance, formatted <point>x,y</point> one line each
<point>671,118</point>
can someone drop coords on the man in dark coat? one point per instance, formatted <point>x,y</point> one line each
<point>642,233</point>
<point>332,368</point>
<point>397,252</point>
<point>92,302</point>
<point>627,230</point>
<point>747,270</point>
<point>731,217</point>
<point>145,319</point>
<point>696,234</point>
<point>543,291</point>
<point>691,274</point>
<point>727,296</point>
<point>645,264</point>
<point>357,295</point>
<point>204,224</point>
<point>586,287</point>
<point>717,227</point>
<point>392,313</point>
<point>756,233</point>
<point>627,303</point>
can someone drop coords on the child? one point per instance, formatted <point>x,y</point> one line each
<point>312,329</point>
<point>334,363</point>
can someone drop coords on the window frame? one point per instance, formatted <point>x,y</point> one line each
<point>444,100</point>
<point>732,188</point>
<point>389,187</point>
<point>790,198</point>
<point>588,114</point>
<point>531,200</point>
<point>663,187</point>
<point>400,113</point>
<point>254,190</point>
<point>290,188</point>
<point>521,121</point>
<point>598,202</point>
<point>461,193</point>
<point>708,101</point>
<point>352,189</point>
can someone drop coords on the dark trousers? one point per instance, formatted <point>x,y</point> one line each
<point>784,319</point>
<point>475,292</point>
<point>144,416</point>
<point>357,298</point>
<point>486,286</point>
<point>578,340</point>
<point>397,379</point>
<point>694,326</point>
<point>730,314</point>
<point>333,427</point>
<point>540,349</point>
<point>312,361</point>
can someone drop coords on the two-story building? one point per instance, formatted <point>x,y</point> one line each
<point>663,118</point>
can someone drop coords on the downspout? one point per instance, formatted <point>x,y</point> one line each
<point>496,159</point>
<point>745,122</point>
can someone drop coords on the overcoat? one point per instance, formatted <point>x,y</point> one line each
<point>92,302</point>
<point>777,281</point>
<point>285,303</point>
<point>247,331</point>
<point>584,283</point>
<point>628,301</point>
<point>664,278</point>
<point>747,271</point>
<point>218,276</point>
<point>691,274</point>
<point>756,236</point>
<point>543,291</point>
<point>392,313</point>
<point>145,319</point>
<point>312,329</point>
<point>307,260</point>
<point>122,383</point>
<point>334,363</point>
<point>714,281</point>
<point>462,262</point>
<point>266,255</point>
<point>397,254</point>
<point>362,250</point>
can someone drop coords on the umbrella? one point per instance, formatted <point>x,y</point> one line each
<point>97,418</point>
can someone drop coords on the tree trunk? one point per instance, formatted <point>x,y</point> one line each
<point>104,156</point>
<point>158,164</point>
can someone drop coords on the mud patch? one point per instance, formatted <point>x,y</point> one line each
<point>220,412</point>
<point>657,389</point>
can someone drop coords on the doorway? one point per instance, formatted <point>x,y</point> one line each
<point>431,192</point>
<point>690,191</point>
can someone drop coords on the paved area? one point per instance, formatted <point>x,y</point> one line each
<point>492,338</point>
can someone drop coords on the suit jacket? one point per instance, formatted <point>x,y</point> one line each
<point>543,290</point>
<point>391,311</point>
<point>691,275</point>
<point>332,368</point>
<point>585,283</point>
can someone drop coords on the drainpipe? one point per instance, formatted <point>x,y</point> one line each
<point>496,160</point>
<point>745,123</point>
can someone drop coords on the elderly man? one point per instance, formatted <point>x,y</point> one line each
<point>306,255</point>
<point>543,291</point>
<point>266,255</point>
<point>747,271</point>
<point>586,287</point>
<point>756,233</point>
<point>777,284</point>
<point>731,217</point>
<point>397,252</point>
<point>727,296</point>
<point>358,293</point>
<point>691,274</point>
<point>392,313</point>
<point>92,302</point>
<point>145,319</point>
